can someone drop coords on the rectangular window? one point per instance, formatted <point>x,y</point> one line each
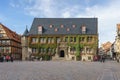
<point>34,50</point>
<point>1,35</point>
<point>49,49</point>
<point>89,39</point>
<point>34,40</point>
<point>66,39</point>
<point>0,42</point>
<point>3,42</point>
<point>2,49</point>
<point>82,39</point>
<point>88,50</point>
<point>42,40</point>
<point>8,42</point>
<point>45,50</point>
<point>82,50</point>
<point>40,50</point>
<point>74,39</point>
<point>58,40</point>
<point>7,50</point>
<point>71,39</point>
<point>89,58</point>
<point>49,40</point>
<point>73,49</point>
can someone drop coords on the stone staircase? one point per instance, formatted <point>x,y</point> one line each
<point>58,59</point>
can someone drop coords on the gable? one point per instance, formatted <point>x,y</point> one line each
<point>9,34</point>
<point>2,32</point>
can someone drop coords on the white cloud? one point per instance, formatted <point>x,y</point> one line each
<point>69,11</point>
<point>14,5</point>
<point>66,14</point>
<point>52,8</point>
<point>42,8</point>
<point>108,18</point>
<point>108,15</point>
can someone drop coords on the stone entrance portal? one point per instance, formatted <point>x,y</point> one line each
<point>62,53</point>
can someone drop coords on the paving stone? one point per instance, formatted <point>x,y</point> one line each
<point>59,70</point>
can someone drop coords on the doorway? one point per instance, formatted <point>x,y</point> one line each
<point>62,54</point>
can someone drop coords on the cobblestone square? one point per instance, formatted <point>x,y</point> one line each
<point>60,70</point>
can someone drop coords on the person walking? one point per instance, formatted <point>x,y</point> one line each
<point>118,60</point>
<point>11,58</point>
<point>103,59</point>
<point>1,59</point>
<point>4,59</point>
<point>7,58</point>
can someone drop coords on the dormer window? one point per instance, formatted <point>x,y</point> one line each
<point>40,29</point>
<point>62,26</point>
<point>68,29</point>
<point>51,26</point>
<point>83,29</point>
<point>56,29</point>
<point>73,26</point>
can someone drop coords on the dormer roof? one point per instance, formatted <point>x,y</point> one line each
<point>90,23</point>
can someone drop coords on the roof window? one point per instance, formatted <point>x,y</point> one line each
<point>68,29</point>
<point>73,26</point>
<point>40,29</point>
<point>51,26</point>
<point>62,26</point>
<point>56,29</point>
<point>84,29</point>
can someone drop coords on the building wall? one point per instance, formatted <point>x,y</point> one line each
<point>10,44</point>
<point>117,42</point>
<point>117,47</point>
<point>25,55</point>
<point>72,45</point>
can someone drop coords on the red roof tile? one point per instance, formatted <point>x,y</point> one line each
<point>11,34</point>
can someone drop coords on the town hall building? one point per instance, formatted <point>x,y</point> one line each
<point>61,39</point>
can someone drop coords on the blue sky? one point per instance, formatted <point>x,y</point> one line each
<point>16,14</point>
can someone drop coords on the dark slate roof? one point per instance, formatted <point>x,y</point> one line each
<point>26,32</point>
<point>90,23</point>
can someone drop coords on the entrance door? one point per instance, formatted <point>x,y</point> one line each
<point>62,54</point>
<point>114,55</point>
